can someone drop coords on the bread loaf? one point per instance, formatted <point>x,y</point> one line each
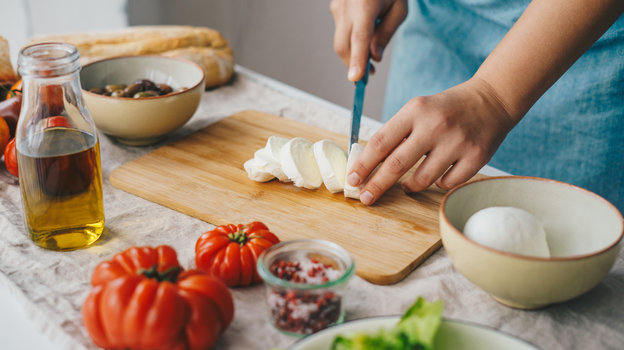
<point>202,45</point>
<point>7,73</point>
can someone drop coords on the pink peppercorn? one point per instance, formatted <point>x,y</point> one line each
<point>304,311</point>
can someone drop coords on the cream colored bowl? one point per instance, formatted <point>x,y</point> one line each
<point>584,233</point>
<point>146,120</point>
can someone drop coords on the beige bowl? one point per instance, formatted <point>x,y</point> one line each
<point>584,233</point>
<point>146,120</point>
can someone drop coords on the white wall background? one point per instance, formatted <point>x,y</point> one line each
<point>288,40</point>
<point>21,19</point>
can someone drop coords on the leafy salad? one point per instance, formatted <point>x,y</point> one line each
<point>415,330</point>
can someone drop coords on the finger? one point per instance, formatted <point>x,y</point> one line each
<point>378,148</point>
<point>388,24</point>
<point>395,165</point>
<point>462,171</point>
<point>361,34</point>
<point>342,40</point>
<point>432,168</point>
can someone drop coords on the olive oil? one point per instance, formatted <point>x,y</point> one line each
<point>61,184</point>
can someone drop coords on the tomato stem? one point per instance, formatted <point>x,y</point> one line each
<point>239,237</point>
<point>169,275</point>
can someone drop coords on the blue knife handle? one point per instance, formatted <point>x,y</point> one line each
<point>358,104</point>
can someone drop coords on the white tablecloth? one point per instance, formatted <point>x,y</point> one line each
<point>49,287</point>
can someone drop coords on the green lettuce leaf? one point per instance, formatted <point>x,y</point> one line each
<point>415,330</point>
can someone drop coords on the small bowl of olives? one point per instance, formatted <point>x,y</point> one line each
<point>138,89</point>
<point>138,100</point>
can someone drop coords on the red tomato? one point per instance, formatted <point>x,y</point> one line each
<point>57,121</point>
<point>10,157</point>
<point>231,252</point>
<point>52,98</point>
<point>142,299</point>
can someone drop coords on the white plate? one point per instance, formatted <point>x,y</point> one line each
<point>455,335</point>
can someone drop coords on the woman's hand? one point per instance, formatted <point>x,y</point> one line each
<point>355,34</point>
<point>457,131</point>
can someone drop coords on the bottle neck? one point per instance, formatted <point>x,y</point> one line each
<point>51,94</point>
<point>48,60</point>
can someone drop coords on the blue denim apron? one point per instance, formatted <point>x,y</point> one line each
<point>575,131</point>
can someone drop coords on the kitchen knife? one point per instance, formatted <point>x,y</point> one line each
<point>358,103</point>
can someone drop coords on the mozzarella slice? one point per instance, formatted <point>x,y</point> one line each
<point>274,145</point>
<point>268,164</point>
<point>351,191</point>
<point>256,172</point>
<point>298,163</point>
<point>332,163</point>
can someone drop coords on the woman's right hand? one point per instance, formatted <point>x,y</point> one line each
<point>355,33</point>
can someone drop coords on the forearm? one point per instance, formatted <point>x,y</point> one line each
<point>545,41</point>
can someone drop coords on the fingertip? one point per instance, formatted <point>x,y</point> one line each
<point>353,179</point>
<point>458,174</point>
<point>412,186</point>
<point>377,53</point>
<point>367,198</point>
<point>354,74</point>
<point>443,185</point>
<point>405,188</point>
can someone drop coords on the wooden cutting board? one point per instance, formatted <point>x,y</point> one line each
<point>203,176</point>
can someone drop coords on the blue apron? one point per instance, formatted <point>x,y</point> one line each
<point>575,131</point>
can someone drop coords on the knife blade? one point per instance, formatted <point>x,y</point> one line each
<point>358,104</point>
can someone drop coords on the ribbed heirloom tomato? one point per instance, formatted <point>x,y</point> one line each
<point>142,299</point>
<point>230,252</point>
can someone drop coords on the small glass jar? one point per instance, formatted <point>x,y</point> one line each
<point>305,284</point>
<point>58,153</point>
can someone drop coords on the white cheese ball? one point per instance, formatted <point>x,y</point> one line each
<point>508,229</point>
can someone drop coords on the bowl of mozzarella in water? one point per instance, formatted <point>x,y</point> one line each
<point>530,242</point>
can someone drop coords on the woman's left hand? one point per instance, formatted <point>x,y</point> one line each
<point>456,131</point>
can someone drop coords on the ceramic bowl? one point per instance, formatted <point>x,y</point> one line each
<point>452,335</point>
<point>584,234</point>
<point>145,120</point>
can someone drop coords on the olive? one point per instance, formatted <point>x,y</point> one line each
<point>133,89</point>
<point>118,93</point>
<point>153,92</point>
<point>97,90</point>
<point>113,87</point>
<point>146,84</point>
<point>150,93</point>
<point>164,89</point>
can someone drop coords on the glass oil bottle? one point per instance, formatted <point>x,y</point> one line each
<point>58,153</point>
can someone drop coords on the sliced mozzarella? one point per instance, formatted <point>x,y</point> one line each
<point>256,172</point>
<point>351,191</point>
<point>298,163</point>
<point>274,145</point>
<point>268,164</point>
<point>332,163</point>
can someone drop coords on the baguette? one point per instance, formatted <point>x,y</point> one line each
<point>218,65</point>
<point>202,45</point>
<point>7,73</point>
